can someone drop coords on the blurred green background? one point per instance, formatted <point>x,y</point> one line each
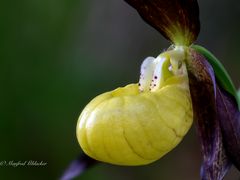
<point>56,55</point>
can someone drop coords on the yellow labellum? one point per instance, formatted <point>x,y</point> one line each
<point>133,125</point>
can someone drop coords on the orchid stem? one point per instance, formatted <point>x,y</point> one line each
<point>238,93</point>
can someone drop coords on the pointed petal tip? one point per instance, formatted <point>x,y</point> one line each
<point>77,167</point>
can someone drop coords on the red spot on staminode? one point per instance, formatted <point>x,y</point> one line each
<point>155,77</point>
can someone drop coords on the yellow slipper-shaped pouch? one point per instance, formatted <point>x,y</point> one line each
<point>139,123</point>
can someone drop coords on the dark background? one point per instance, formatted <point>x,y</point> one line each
<point>56,55</point>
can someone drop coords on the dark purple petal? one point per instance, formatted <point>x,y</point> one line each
<point>229,117</point>
<point>203,92</point>
<point>176,20</point>
<point>78,166</point>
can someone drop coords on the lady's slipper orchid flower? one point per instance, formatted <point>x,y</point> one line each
<point>141,122</point>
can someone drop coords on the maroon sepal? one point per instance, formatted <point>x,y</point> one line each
<point>176,20</point>
<point>203,92</point>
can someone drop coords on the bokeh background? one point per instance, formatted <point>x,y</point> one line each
<point>56,55</point>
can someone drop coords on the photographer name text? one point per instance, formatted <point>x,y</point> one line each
<point>15,164</point>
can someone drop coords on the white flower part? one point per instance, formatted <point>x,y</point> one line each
<point>147,69</point>
<point>154,72</point>
<point>157,78</point>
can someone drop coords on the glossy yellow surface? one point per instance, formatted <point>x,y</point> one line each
<point>129,127</point>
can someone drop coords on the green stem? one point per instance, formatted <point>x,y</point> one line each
<point>239,94</point>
